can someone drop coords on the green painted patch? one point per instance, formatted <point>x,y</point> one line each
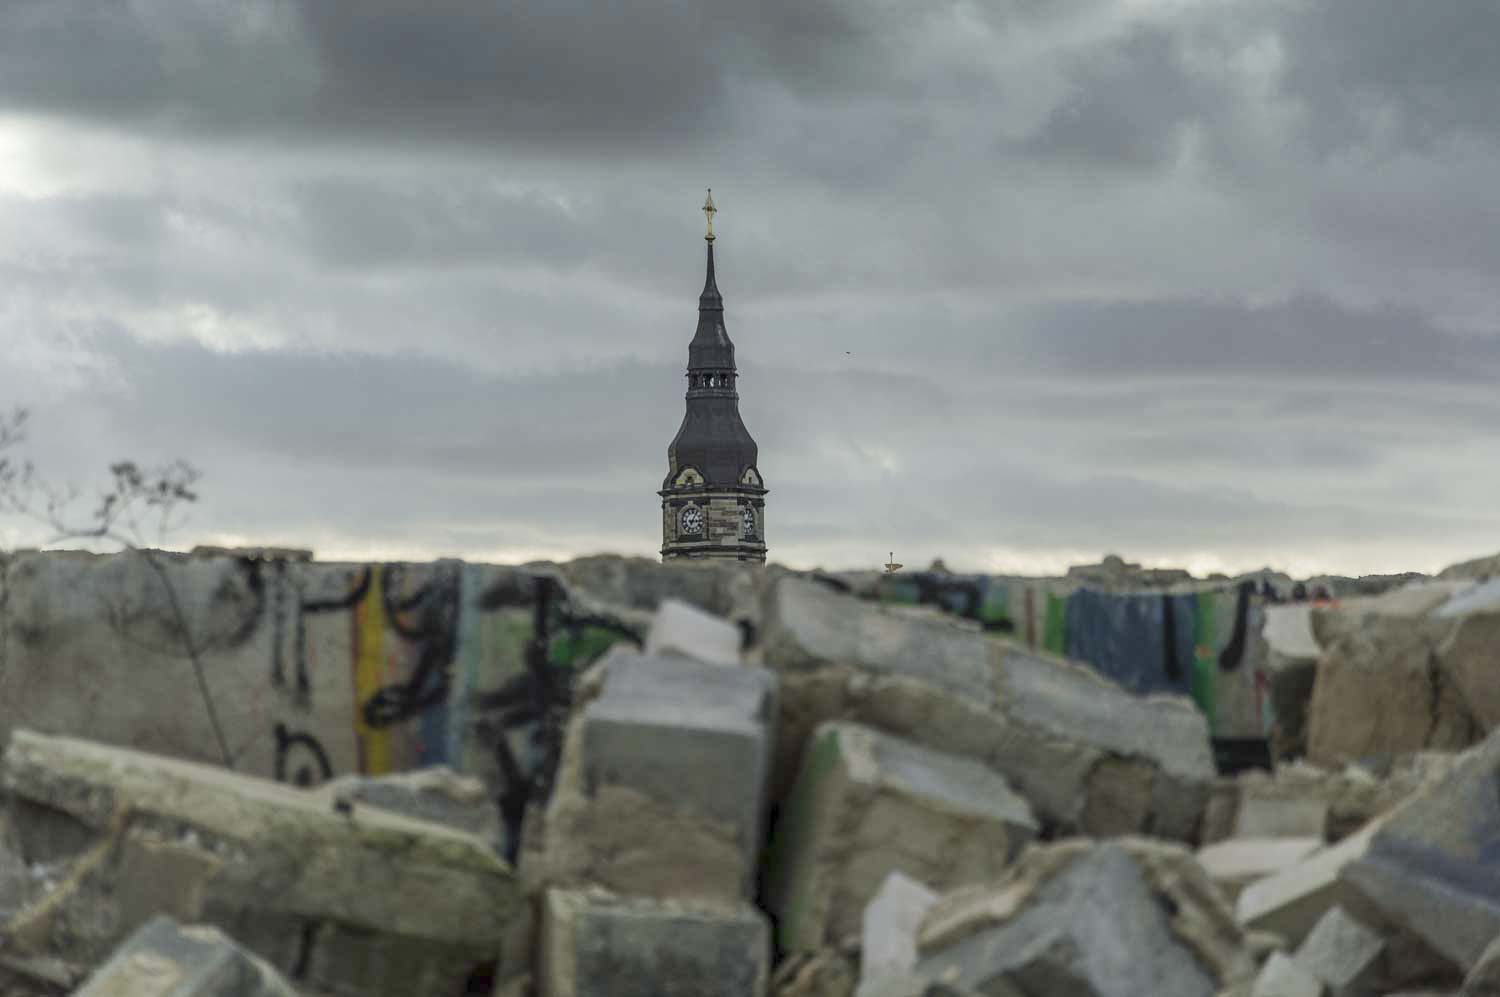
<point>1055,629</point>
<point>996,605</point>
<point>576,649</point>
<point>788,887</point>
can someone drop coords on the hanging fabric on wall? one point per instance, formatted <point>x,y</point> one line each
<point>1234,651</point>
<point>1170,663</point>
<point>1055,630</point>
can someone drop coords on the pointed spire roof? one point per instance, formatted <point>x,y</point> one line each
<point>711,348</point>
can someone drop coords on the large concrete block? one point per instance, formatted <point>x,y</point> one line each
<point>1090,925</point>
<point>1345,954</point>
<point>269,864</point>
<point>1291,902</point>
<point>597,944</point>
<point>808,626</point>
<point>1076,745</point>
<point>164,959</point>
<point>678,628</point>
<point>1433,866</point>
<point>435,794</point>
<point>1238,862</point>
<point>662,788</point>
<point>868,804</point>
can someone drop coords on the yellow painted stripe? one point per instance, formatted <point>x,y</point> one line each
<point>369,676</point>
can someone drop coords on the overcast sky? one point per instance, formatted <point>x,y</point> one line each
<point>1013,282</point>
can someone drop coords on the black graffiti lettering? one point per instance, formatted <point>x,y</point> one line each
<point>296,756</point>
<point>436,634</point>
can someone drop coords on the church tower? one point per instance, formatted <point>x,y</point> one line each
<point>713,501</point>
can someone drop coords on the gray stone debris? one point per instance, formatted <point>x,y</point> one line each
<point>1291,902</point>
<point>867,804</point>
<point>267,863</point>
<point>1267,816</point>
<point>434,794</point>
<point>1431,868</point>
<point>596,944</point>
<point>891,920</point>
<point>1346,955</point>
<point>165,959</point>
<point>1283,977</point>
<point>1077,919</point>
<point>1086,754</point>
<point>678,628</point>
<point>906,985</point>
<point>662,784</point>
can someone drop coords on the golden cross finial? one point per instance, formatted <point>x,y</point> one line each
<point>708,212</point>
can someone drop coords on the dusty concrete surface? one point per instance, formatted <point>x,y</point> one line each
<point>726,814</point>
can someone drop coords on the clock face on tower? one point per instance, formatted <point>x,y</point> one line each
<point>691,520</point>
<point>747,517</point>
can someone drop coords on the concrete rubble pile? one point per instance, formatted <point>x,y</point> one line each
<point>789,791</point>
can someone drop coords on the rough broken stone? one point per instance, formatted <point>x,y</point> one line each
<point>825,973</point>
<point>906,985</point>
<point>1082,918</point>
<point>1238,862</point>
<point>1484,979</point>
<point>1056,729</point>
<point>679,628</point>
<point>271,865</point>
<point>164,959</point>
<point>868,804</point>
<point>891,920</point>
<point>1265,816</point>
<point>661,791</point>
<point>1380,688</point>
<point>1468,660</point>
<point>1432,870</point>
<point>1291,902</point>
<point>596,944</point>
<point>1344,954</point>
<point>1282,977</point>
<point>436,794</point>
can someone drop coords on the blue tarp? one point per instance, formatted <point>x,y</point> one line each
<point>1124,637</point>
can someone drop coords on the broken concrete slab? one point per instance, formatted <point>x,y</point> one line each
<point>598,944</point>
<point>661,790</point>
<point>825,973</point>
<point>681,629</point>
<point>165,959</point>
<point>1432,869</point>
<point>436,794</point>
<point>1291,902</point>
<point>1075,918</point>
<point>1236,863</point>
<point>1263,815</point>
<point>1381,689</point>
<point>1344,954</point>
<point>270,864</point>
<point>1063,735</point>
<point>890,923</point>
<point>1282,977</point>
<point>1468,660</point>
<point>867,804</point>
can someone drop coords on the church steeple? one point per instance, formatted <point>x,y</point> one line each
<point>713,496</point>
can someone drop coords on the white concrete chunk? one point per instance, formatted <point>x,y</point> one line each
<point>1237,862</point>
<point>164,959</point>
<point>680,628</point>
<point>1291,901</point>
<point>1280,817</point>
<point>891,920</point>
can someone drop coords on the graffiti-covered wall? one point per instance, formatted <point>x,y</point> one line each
<point>308,670</point>
<point>1198,639</point>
